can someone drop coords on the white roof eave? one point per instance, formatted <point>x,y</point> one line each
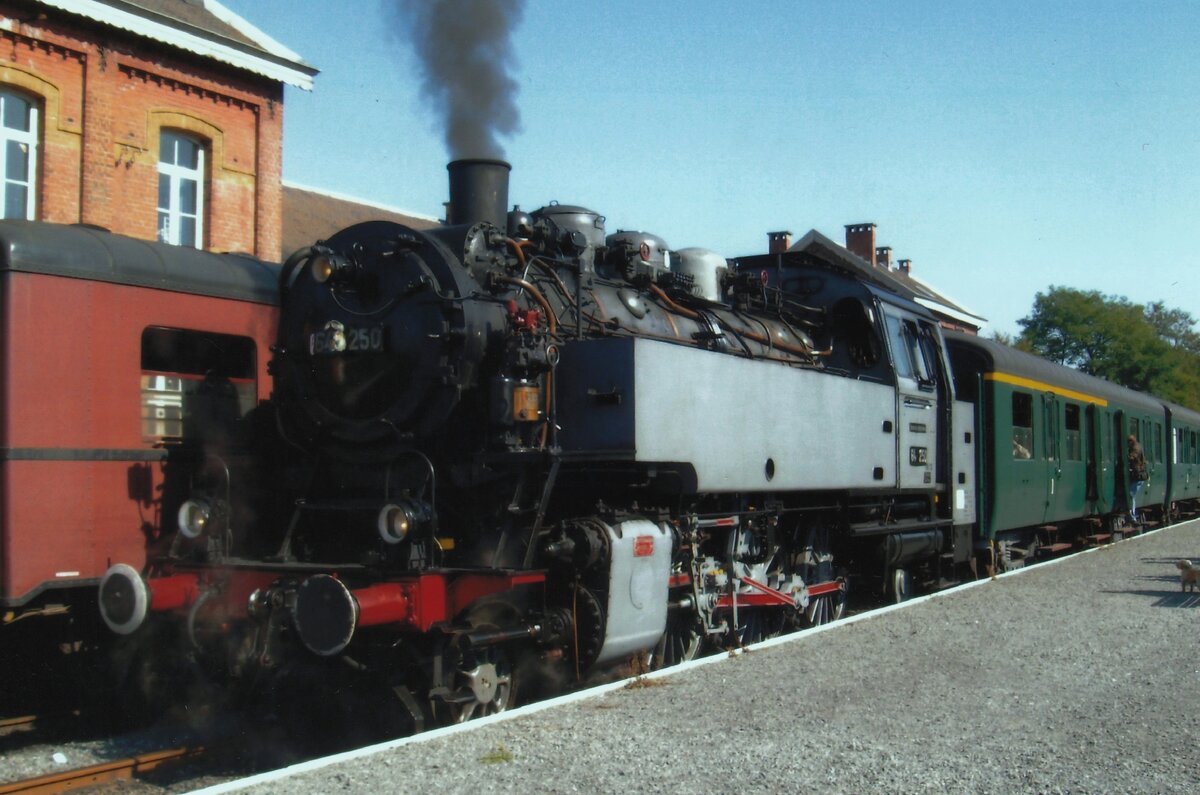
<point>955,314</point>
<point>274,61</point>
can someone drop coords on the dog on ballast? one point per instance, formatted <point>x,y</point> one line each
<point>1189,575</point>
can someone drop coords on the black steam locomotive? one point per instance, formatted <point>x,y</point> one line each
<point>514,447</point>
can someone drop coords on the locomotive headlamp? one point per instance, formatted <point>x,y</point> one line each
<point>394,523</point>
<point>327,267</point>
<point>193,517</point>
<point>397,520</point>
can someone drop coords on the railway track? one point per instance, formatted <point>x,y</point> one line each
<point>18,724</point>
<point>102,773</point>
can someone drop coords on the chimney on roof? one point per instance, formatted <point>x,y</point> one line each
<point>905,266</point>
<point>778,242</point>
<point>860,240</point>
<point>883,257</point>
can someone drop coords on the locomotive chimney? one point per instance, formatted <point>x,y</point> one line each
<point>478,192</point>
<point>778,242</point>
<point>860,240</point>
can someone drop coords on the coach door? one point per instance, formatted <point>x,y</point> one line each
<point>1051,447</point>
<point>916,402</point>
<point>1098,458</point>
<point>1120,492</point>
<point>1067,471</point>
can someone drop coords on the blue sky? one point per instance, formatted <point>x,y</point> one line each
<point>1003,147</point>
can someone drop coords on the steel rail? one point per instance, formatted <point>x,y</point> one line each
<point>104,772</point>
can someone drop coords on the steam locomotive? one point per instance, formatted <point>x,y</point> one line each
<point>515,448</point>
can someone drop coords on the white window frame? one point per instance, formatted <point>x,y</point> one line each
<point>176,174</point>
<point>26,138</point>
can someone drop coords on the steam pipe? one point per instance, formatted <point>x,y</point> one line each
<point>552,322</point>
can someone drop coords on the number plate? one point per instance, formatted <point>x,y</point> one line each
<point>337,338</point>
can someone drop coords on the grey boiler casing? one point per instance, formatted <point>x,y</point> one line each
<point>740,424</point>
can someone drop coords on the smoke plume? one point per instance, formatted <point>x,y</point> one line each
<point>466,57</point>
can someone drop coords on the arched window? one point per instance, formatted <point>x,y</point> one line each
<point>180,190</point>
<point>19,134</point>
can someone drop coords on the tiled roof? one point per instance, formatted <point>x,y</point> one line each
<point>904,285</point>
<point>310,215</point>
<point>196,14</point>
<point>929,297</point>
<point>203,27</point>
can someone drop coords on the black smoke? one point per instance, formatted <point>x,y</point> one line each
<point>466,57</point>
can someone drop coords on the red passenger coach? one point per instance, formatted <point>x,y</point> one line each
<point>119,360</point>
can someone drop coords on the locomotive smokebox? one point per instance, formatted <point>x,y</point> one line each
<point>478,192</point>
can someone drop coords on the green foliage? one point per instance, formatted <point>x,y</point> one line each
<point>1148,348</point>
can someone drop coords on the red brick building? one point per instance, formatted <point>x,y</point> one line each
<point>158,119</point>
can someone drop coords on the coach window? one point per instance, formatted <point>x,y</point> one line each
<point>19,129</point>
<point>194,381</point>
<point>1158,442</point>
<point>1071,435</point>
<point>180,190</point>
<point>1022,432</point>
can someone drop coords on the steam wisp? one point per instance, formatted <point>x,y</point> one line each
<point>466,56</point>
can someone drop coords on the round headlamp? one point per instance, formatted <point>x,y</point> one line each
<point>329,267</point>
<point>193,517</point>
<point>395,522</point>
<point>322,268</point>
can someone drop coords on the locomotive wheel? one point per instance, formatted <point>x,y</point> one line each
<point>487,688</point>
<point>759,623</point>
<point>483,681</point>
<point>589,628</point>
<point>900,586</point>
<point>680,643</point>
<point>827,608</point>
<point>816,566</point>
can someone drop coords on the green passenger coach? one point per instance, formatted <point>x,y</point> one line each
<point>1183,455</point>
<point>1052,462</point>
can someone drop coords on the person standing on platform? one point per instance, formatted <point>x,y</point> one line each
<point>1137,474</point>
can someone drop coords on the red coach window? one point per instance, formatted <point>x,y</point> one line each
<point>194,382</point>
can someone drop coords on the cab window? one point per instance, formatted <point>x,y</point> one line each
<point>902,360</point>
<point>194,381</point>
<point>907,352</point>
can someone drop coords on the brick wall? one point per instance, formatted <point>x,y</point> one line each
<point>104,97</point>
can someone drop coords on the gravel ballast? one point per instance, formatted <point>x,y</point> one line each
<point>1080,676</point>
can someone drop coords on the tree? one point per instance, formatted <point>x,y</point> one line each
<point>1175,326</point>
<point>1148,348</point>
